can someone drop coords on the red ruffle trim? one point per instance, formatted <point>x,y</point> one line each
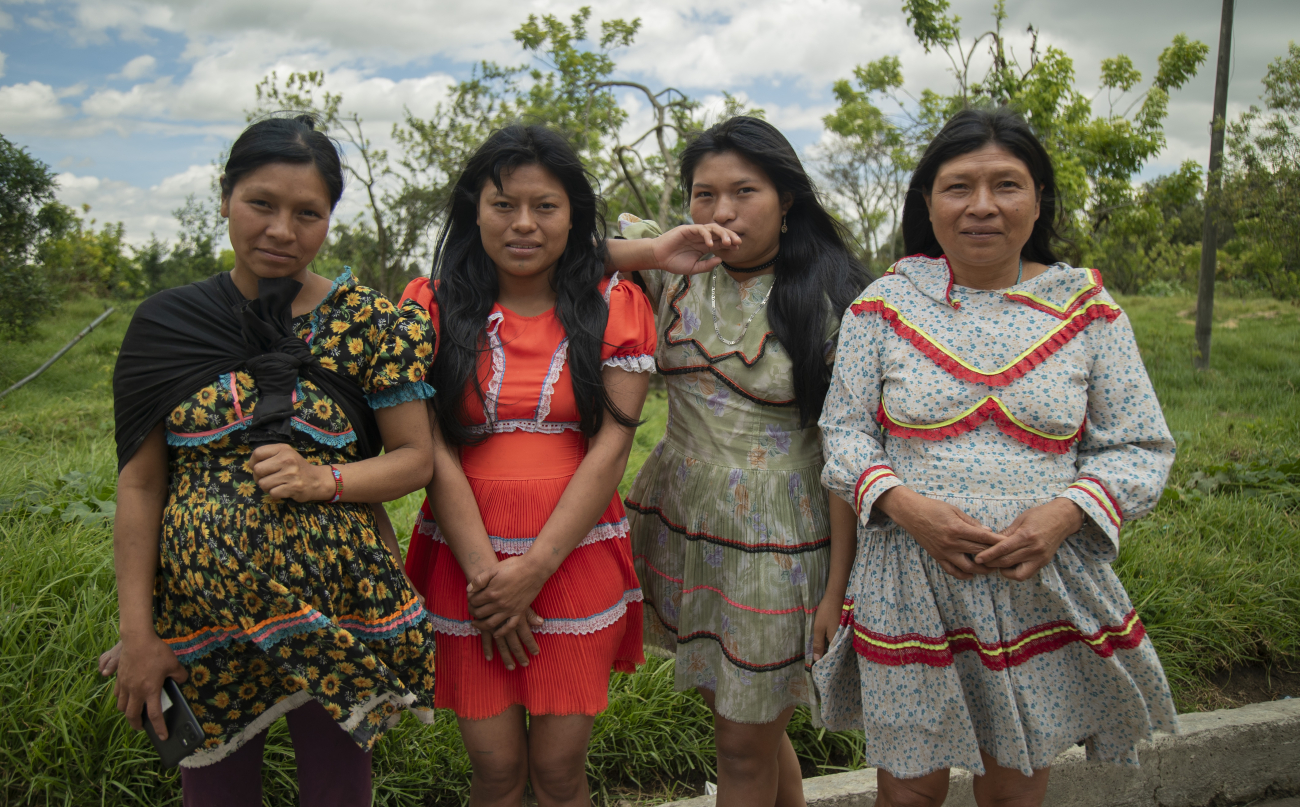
<point>989,410</point>
<point>1067,331</point>
<point>939,651</point>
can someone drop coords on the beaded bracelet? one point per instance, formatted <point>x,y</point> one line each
<point>338,484</point>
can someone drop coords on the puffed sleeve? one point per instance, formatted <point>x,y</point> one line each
<point>630,331</point>
<point>1126,450</point>
<point>857,468</point>
<point>401,344</point>
<point>631,227</point>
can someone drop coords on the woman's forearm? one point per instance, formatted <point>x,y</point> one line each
<point>405,466</point>
<point>455,509</point>
<point>630,255</point>
<point>844,546</point>
<point>588,493</point>
<point>137,525</point>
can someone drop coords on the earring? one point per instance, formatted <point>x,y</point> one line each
<point>784,228</point>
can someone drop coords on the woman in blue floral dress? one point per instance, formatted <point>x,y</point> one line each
<point>991,421</point>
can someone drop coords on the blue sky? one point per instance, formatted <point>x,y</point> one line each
<point>131,100</point>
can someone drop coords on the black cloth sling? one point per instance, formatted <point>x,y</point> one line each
<point>181,339</point>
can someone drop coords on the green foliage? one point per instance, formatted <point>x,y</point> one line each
<point>1261,189</point>
<point>86,260</point>
<point>871,153</point>
<point>29,216</point>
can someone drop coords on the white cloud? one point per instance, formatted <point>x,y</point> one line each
<point>138,68</point>
<point>6,21</point>
<point>29,108</point>
<point>142,210</point>
<point>2,64</point>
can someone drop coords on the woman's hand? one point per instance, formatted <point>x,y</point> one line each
<point>108,660</point>
<point>949,535</point>
<point>285,474</point>
<point>504,591</point>
<point>681,250</point>
<point>825,623</point>
<point>513,637</point>
<point>142,664</point>
<point>1031,541</point>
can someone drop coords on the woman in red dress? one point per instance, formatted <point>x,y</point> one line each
<point>522,547</point>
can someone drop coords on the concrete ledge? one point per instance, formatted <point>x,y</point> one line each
<point>1224,757</point>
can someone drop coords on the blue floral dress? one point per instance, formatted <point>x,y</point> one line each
<point>994,402</point>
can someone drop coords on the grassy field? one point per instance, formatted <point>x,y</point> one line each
<point>1214,572</point>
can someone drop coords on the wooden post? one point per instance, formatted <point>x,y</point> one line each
<point>1209,234</point>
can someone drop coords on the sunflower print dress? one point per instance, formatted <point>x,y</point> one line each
<point>269,603</point>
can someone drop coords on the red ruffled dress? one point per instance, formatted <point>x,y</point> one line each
<point>592,604</point>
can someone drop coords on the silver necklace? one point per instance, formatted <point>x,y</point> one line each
<point>713,308</point>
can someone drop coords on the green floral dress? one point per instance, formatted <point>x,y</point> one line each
<point>729,521</point>
<point>269,603</point>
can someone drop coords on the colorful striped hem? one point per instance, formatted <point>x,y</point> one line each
<point>798,609</point>
<point>730,543</point>
<point>990,408</point>
<point>732,659</point>
<point>868,479</point>
<point>940,651</point>
<point>1098,493</point>
<point>1040,351</point>
<point>269,632</point>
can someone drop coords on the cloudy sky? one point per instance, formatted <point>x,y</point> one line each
<point>131,100</point>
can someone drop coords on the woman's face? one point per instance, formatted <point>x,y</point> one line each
<point>983,206</point>
<point>524,225</point>
<point>731,191</point>
<point>279,216</point>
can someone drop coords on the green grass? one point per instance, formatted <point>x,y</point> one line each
<point>1216,579</point>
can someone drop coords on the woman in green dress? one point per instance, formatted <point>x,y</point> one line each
<point>742,557</point>
<point>251,409</point>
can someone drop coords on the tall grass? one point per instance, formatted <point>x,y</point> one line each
<point>1215,578</point>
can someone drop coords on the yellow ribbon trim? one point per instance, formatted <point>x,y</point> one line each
<point>950,421</point>
<point>1092,284</point>
<point>942,349</point>
<point>946,642</point>
<point>1101,497</point>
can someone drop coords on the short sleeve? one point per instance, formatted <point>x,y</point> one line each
<point>630,331</point>
<point>402,344</point>
<point>632,228</point>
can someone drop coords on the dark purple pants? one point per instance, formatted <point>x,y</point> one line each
<point>332,770</point>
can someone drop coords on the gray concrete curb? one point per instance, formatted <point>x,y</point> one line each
<point>1224,757</point>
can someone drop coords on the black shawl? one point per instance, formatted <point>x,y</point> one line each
<point>181,339</point>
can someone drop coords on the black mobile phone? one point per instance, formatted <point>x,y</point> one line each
<point>184,734</point>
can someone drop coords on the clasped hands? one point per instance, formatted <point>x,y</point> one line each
<point>964,547</point>
<point>500,606</point>
<point>282,472</point>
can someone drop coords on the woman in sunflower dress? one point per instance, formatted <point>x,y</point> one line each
<point>992,422</point>
<point>251,568</point>
<point>742,557</point>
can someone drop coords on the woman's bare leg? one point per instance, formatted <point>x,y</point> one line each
<point>498,752</point>
<point>557,759</point>
<point>756,762</point>
<point>923,791</point>
<point>1007,787</point>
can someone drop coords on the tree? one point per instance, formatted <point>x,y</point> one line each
<point>29,216</point>
<point>1262,183</point>
<point>1095,156</point>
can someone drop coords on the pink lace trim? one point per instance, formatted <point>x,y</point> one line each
<point>552,375</point>
<point>580,626</point>
<point>632,364</point>
<point>534,426</point>
<point>518,546</point>
<point>498,366</point>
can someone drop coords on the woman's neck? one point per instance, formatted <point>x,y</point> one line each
<point>987,277</point>
<point>313,291</point>
<point>526,296</point>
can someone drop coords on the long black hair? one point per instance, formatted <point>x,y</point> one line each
<point>967,131</point>
<point>284,140</point>
<point>816,264</point>
<point>469,287</point>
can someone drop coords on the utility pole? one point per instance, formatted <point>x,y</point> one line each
<point>1209,233</point>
